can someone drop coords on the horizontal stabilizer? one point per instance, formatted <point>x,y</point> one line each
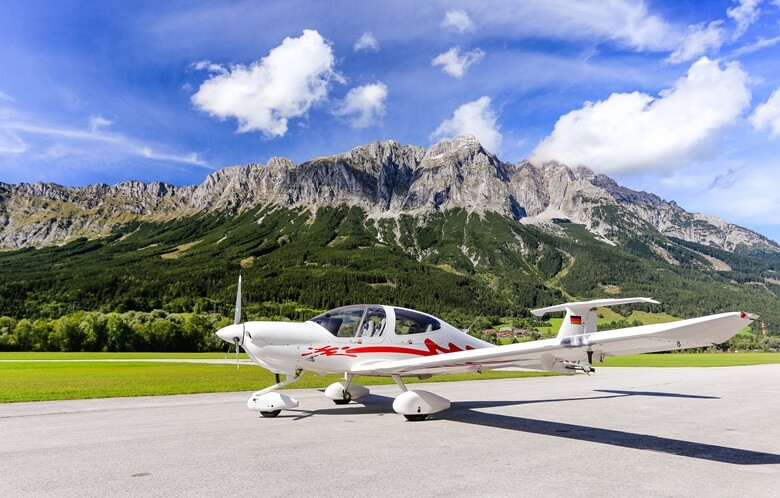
<point>584,306</point>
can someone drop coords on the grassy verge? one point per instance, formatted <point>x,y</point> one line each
<point>93,379</point>
<point>114,356</point>
<point>691,360</point>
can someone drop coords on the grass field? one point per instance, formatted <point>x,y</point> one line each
<point>51,380</point>
<point>691,360</point>
<point>116,356</point>
<point>87,378</point>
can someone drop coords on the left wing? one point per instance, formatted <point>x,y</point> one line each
<point>554,354</point>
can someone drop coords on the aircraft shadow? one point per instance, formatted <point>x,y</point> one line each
<point>653,393</point>
<point>369,404</point>
<point>467,412</point>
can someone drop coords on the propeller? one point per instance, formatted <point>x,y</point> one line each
<point>237,317</point>
<point>235,341</point>
<point>237,320</point>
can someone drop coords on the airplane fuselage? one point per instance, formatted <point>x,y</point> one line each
<point>338,339</point>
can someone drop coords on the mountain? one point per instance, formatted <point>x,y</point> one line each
<point>385,179</point>
<point>447,228</point>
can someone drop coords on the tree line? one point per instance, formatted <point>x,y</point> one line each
<point>95,331</point>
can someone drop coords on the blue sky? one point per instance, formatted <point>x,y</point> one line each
<point>678,98</point>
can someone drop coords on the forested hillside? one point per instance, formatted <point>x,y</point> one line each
<point>296,261</point>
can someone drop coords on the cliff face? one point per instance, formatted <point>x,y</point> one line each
<point>383,178</point>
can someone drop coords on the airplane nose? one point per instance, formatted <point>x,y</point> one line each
<point>231,333</point>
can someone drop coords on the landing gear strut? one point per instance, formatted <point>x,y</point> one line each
<point>270,403</point>
<point>344,391</point>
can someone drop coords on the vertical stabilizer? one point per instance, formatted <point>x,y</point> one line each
<point>581,316</point>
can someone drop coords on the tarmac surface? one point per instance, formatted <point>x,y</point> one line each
<point>621,432</point>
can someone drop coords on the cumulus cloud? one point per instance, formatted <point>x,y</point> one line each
<point>634,131</point>
<point>476,118</point>
<point>366,42</point>
<point>767,115</point>
<point>458,20</point>
<point>455,64</point>
<point>698,41</point>
<point>364,105</point>
<point>269,92</point>
<point>744,14</point>
<point>206,65</point>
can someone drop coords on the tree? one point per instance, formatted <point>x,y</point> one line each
<point>120,334</point>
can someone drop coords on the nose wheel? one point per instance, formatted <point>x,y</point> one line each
<point>271,414</point>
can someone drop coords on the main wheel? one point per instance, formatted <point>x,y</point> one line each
<point>417,417</point>
<point>346,398</point>
<point>271,414</point>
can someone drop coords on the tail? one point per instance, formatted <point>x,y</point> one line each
<point>581,317</point>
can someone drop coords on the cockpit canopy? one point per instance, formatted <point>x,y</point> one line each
<point>370,321</point>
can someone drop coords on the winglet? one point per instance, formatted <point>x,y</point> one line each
<point>579,316</point>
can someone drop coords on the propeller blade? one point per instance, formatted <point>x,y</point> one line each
<point>237,317</point>
<point>236,342</point>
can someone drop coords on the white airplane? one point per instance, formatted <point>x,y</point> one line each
<point>389,341</point>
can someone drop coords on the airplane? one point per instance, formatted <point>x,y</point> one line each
<point>391,341</point>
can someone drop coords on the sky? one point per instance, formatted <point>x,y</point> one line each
<point>674,97</point>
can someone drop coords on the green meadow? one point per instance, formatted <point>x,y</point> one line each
<point>691,360</point>
<point>83,375</point>
<point>58,380</point>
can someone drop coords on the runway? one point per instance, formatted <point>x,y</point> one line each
<point>621,432</point>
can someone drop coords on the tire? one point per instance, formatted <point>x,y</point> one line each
<point>271,414</point>
<point>417,417</point>
<point>346,398</point>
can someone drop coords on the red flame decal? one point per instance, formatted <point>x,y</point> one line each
<point>431,348</point>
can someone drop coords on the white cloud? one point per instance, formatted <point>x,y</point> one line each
<point>366,42</point>
<point>6,97</point>
<point>206,65</point>
<point>626,22</point>
<point>720,190</point>
<point>634,131</point>
<point>475,118</point>
<point>35,139</point>
<point>698,41</point>
<point>767,115</point>
<point>754,47</point>
<point>10,142</point>
<point>455,64</point>
<point>365,105</point>
<point>744,14</point>
<point>458,20</point>
<point>269,92</point>
<point>98,122</point>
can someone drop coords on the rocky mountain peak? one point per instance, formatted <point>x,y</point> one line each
<point>463,148</point>
<point>385,179</point>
